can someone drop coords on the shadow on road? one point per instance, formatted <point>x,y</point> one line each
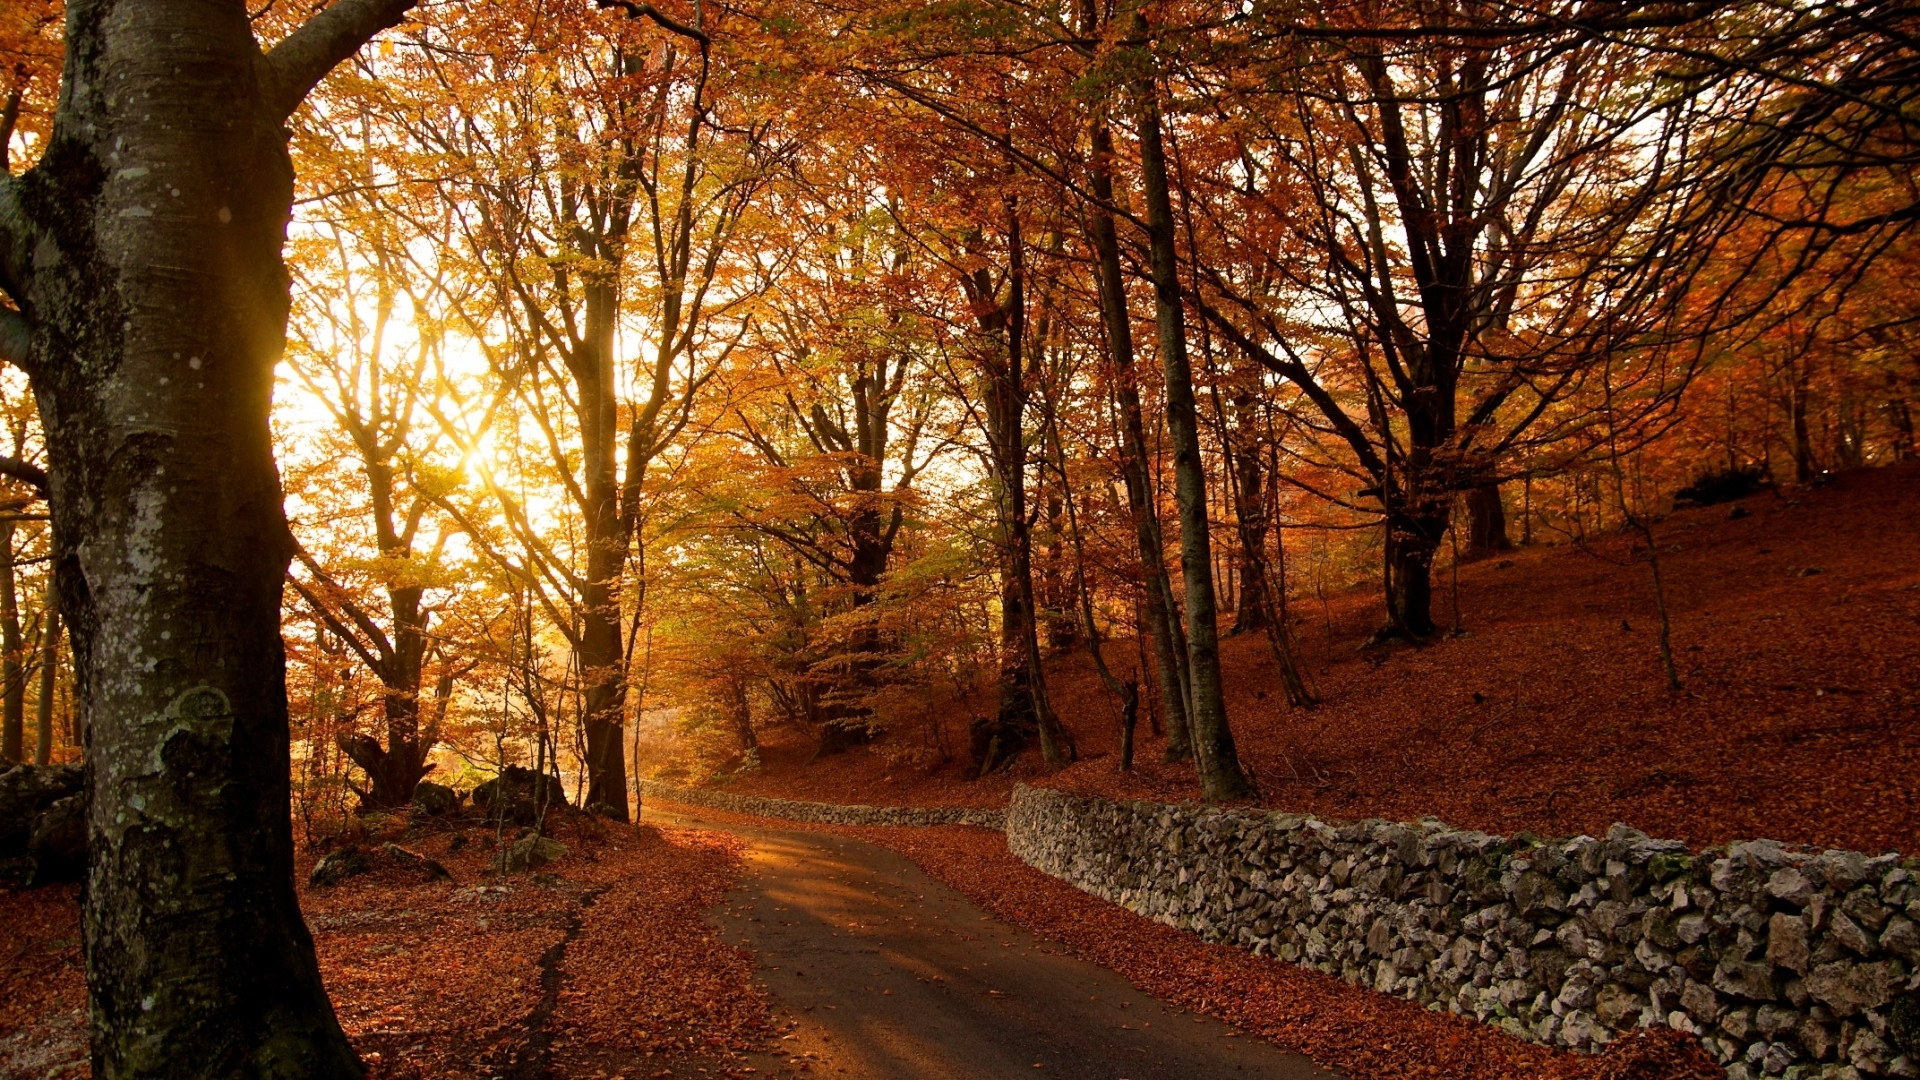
<point>887,974</point>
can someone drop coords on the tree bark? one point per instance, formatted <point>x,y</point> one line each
<point>144,252</point>
<point>1902,416</point>
<point>1799,390</point>
<point>1412,540</point>
<point>871,530</point>
<point>13,682</point>
<point>1023,691</point>
<point>602,653</point>
<point>398,658</point>
<point>49,677</point>
<point>1486,522</point>
<point>1063,624</point>
<point>1162,624</point>
<point>1219,766</point>
<point>1250,518</point>
<point>740,712</point>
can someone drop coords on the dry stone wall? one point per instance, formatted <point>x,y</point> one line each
<point>1786,961</point>
<point>823,813</point>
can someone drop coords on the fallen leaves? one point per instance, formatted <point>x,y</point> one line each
<point>602,963</point>
<point>43,990</point>
<point>1796,722</point>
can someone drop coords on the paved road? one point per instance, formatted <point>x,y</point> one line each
<point>891,975</point>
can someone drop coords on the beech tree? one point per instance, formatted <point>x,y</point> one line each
<point>143,254</point>
<point>835,395</point>
<point>1468,229</point>
<point>609,195</point>
<point>1220,774</point>
<point>373,381</point>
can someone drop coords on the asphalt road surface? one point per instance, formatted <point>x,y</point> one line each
<point>891,975</point>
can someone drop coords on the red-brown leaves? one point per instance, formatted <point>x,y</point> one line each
<point>469,978</point>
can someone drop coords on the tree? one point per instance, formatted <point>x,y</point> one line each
<point>836,397</point>
<point>143,253</point>
<point>609,197</point>
<point>998,301</point>
<point>1450,236</point>
<point>372,380</point>
<point>1220,774</point>
<point>1159,608</point>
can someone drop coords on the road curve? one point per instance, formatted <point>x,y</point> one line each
<point>888,974</point>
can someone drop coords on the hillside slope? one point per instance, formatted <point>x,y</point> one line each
<point>1797,633</point>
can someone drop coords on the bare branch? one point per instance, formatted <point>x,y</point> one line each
<point>15,231</point>
<point>26,472</point>
<point>305,56</point>
<point>666,22</point>
<point>340,630</point>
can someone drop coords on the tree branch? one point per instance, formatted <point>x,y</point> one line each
<point>304,57</point>
<point>340,629</point>
<point>13,338</point>
<point>383,666</point>
<point>666,22</point>
<point>26,472</point>
<point>14,233</point>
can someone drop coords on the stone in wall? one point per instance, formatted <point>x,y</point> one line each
<point>1785,961</point>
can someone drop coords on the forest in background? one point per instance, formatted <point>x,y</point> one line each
<point>726,367</point>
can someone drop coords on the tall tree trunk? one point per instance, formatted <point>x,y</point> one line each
<point>1250,503</point>
<point>1023,693</point>
<point>847,717</point>
<point>1279,627</point>
<point>1251,517</point>
<point>144,252</point>
<point>1063,624</point>
<point>1798,392</point>
<point>1413,538</point>
<point>397,658</point>
<point>1127,692</point>
<point>1486,522</point>
<point>1162,624</point>
<point>602,655</point>
<point>49,677</point>
<point>13,680</point>
<point>396,769</point>
<point>1219,766</point>
<point>740,712</point>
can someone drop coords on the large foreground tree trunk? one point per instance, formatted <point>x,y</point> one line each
<point>144,252</point>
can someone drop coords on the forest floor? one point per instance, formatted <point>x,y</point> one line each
<point>600,965</point>
<point>624,961</point>
<point>1796,631</point>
